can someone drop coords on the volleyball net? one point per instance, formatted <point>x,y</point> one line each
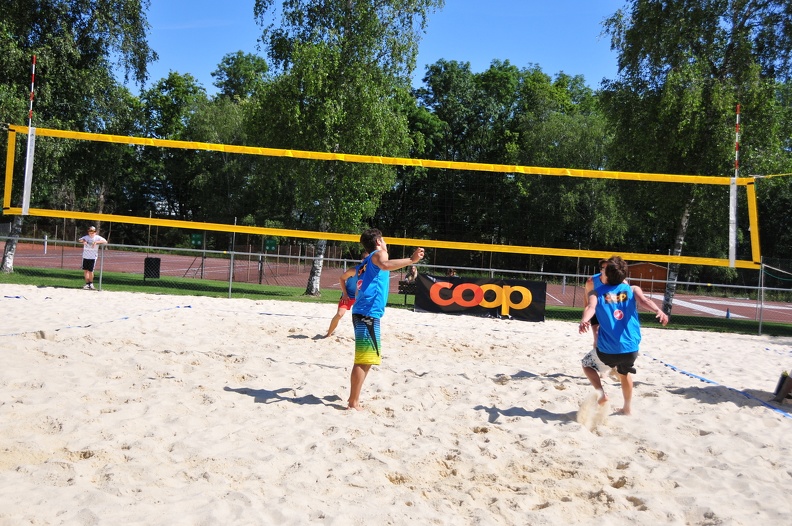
<point>12,178</point>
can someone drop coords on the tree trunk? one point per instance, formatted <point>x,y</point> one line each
<point>11,244</point>
<point>673,268</point>
<point>313,288</point>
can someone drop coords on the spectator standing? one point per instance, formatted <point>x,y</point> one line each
<point>91,242</point>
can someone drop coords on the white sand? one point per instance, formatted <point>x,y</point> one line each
<point>119,408</point>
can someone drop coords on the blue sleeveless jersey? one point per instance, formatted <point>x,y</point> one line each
<point>373,284</point>
<point>617,313</point>
<point>351,286</point>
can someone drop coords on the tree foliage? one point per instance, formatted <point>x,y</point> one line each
<point>76,44</point>
<point>334,76</point>
<point>684,67</point>
<point>240,75</point>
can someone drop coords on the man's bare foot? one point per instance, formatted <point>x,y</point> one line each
<point>624,411</point>
<point>354,404</point>
<point>603,398</point>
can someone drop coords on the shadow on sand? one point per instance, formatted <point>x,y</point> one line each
<point>542,414</point>
<point>286,394</point>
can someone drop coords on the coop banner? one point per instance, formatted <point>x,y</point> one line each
<point>498,298</point>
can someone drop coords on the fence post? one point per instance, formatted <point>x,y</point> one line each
<point>574,290</point>
<point>231,270</point>
<point>231,274</point>
<point>101,265</point>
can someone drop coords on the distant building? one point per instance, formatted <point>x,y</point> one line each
<point>649,276</point>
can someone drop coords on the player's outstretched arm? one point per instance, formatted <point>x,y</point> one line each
<point>650,305</point>
<point>382,260</point>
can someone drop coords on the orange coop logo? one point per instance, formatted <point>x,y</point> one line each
<point>489,296</point>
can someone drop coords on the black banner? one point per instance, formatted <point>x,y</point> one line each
<point>498,298</point>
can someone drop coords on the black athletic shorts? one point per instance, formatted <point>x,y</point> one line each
<point>88,264</point>
<point>624,363</point>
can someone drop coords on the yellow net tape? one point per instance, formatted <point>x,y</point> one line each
<point>372,159</point>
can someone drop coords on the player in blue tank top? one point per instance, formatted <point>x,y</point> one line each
<point>615,305</point>
<point>373,283</point>
<point>591,283</point>
<point>348,283</point>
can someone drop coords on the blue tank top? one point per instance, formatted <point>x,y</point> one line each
<point>351,286</point>
<point>617,313</point>
<point>373,284</point>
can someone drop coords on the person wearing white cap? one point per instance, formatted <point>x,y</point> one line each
<point>90,253</point>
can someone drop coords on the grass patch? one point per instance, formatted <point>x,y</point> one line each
<point>124,282</point>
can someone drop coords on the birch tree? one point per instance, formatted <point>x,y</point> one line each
<point>342,68</point>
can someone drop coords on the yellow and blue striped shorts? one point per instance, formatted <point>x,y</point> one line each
<point>367,340</point>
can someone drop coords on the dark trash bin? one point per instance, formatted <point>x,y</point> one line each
<point>151,268</point>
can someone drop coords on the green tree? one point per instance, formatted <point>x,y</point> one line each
<point>95,175</point>
<point>561,125</point>
<point>77,43</point>
<point>239,75</point>
<point>450,197</point>
<point>477,113</point>
<point>774,194</point>
<point>169,105</point>
<point>344,68</point>
<point>405,207</point>
<point>228,186</point>
<point>683,68</point>
<point>505,115</point>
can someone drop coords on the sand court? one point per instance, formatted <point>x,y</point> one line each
<point>151,409</point>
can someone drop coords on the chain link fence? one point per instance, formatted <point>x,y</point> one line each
<point>274,270</point>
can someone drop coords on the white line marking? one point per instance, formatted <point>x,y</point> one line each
<point>700,308</point>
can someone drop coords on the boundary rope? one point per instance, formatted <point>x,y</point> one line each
<point>92,324</point>
<point>712,382</point>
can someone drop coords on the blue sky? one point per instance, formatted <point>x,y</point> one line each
<point>192,36</point>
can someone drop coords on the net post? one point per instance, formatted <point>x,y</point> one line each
<point>31,149</point>
<point>31,146</point>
